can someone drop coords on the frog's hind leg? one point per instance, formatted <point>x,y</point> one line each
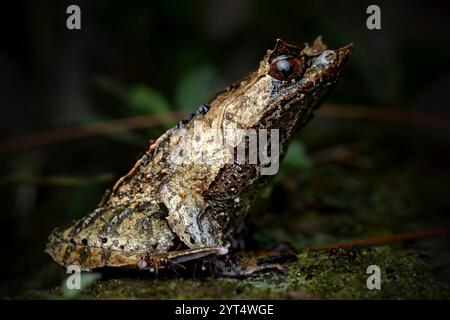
<point>154,261</point>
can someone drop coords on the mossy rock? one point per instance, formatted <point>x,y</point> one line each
<point>317,274</point>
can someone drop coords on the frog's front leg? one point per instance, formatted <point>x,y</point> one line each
<point>154,261</point>
<point>186,217</point>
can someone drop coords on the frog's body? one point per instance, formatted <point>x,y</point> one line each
<point>163,212</point>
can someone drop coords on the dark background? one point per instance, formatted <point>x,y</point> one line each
<point>136,58</point>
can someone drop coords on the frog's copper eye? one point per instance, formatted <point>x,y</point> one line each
<point>285,68</point>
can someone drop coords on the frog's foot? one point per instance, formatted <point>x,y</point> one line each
<point>241,267</point>
<point>153,262</point>
<point>250,271</point>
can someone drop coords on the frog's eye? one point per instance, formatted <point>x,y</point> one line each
<point>285,68</point>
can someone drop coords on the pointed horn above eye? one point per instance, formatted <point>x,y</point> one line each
<point>280,43</point>
<point>317,47</point>
<point>281,47</point>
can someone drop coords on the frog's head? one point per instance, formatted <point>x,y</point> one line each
<point>286,88</point>
<point>299,79</point>
<point>303,70</point>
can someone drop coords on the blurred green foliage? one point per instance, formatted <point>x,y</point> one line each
<point>197,87</point>
<point>145,100</point>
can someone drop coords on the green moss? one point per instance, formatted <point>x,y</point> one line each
<point>317,274</point>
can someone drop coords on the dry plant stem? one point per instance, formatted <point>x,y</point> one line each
<point>85,131</point>
<point>392,114</point>
<point>383,239</point>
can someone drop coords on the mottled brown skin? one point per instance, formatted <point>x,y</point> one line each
<point>162,213</point>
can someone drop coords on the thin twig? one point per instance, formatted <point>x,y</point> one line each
<point>393,114</point>
<point>414,235</point>
<point>55,180</point>
<point>85,131</point>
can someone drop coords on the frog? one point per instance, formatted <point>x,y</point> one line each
<point>163,212</point>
